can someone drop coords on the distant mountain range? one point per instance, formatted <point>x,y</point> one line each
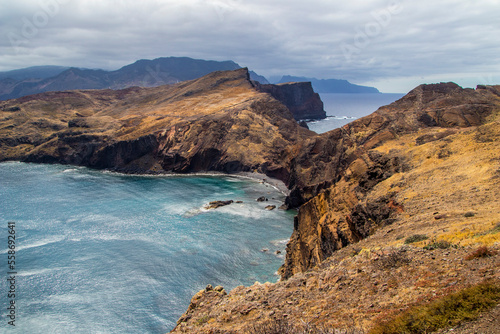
<point>331,85</point>
<point>143,73</point>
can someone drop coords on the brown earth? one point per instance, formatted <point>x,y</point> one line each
<point>427,164</point>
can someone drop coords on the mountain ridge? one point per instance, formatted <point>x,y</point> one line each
<point>142,73</point>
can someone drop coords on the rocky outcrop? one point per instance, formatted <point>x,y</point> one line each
<point>352,259</point>
<point>218,204</point>
<point>334,174</point>
<point>299,97</point>
<point>433,151</point>
<point>216,123</point>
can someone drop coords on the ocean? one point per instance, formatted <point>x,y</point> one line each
<point>342,109</point>
<point>98,252</point>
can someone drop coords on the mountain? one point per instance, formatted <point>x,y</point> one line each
<point>34,72</point>
<point>397,210</point>
<point>331,85</point>
<point>142,73</point>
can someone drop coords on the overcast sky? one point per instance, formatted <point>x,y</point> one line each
<point>392,45</point>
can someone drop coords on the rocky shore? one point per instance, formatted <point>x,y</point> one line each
<point>426,164</point>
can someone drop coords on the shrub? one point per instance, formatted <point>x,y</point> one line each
<point>482,251</point>
<point>416,238</point>
<point>394,259</point>
<point>442,244</point>
<point>204,319</point>
<point>445,312</point>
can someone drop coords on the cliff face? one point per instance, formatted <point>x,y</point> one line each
<point>218,122</point>
<point>426,164</point>
<point>334,174</point>
<point>299,97</point>
<point>394,205</point>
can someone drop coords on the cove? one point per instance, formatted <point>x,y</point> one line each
<point>99,252</point>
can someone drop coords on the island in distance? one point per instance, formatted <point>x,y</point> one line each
<point>331,85</point>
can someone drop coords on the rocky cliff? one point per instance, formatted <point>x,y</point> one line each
<point>216,123</point>
<point>393,208</point>
<point>425,165</point>
<point>334,174</point>
<point>299,97</point>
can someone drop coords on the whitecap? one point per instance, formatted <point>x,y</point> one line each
<point>36,272</point>
<point>41,243</point>
<point>279,242</point>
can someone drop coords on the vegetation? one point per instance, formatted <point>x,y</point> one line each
<point>202,320</point>
<point>416,238</point>
<point>394,259</point>
<point>480,252</point>
<point>445,312</point>
<point>442,244</point>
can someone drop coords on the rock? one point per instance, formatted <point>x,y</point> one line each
<point>299,97</point>
<point>264,250</point>
<point>217,204</point>
<point>270,207</point>
<point>209,287</point>
<point>304,124</point>
<point>262,199</point>
<point>220,290</point>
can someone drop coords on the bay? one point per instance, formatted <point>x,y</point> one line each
<point>99,252</point>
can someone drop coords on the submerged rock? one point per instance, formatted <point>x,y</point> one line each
<point>217,204</point>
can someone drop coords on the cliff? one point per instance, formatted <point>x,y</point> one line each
<point>393,208</point>
<point>218,122</point>
<point>299,97</point>
<point>390,205</point>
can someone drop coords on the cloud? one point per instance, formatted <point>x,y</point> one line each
<point>374,41</point>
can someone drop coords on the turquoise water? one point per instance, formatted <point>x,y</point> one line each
<point>99,252</point>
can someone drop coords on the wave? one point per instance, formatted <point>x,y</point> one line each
<point>41,243</point>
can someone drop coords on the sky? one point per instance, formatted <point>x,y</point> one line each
<point>393,45</point>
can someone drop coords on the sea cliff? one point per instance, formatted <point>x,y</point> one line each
<point>425,165</point>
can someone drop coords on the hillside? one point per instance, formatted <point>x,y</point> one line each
<point>142,73</point>
<point>392,206</point>
<point>218,122</point>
